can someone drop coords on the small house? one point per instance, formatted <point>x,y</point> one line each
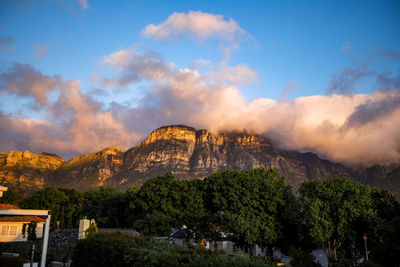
<point>12,220</point>
<point>12,227</point>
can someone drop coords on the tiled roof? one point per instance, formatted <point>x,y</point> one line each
<point>7,206</point>
<point>22,219</point>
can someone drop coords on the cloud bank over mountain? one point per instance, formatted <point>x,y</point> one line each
<point>341,126</point>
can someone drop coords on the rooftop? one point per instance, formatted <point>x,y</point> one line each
<point>7,206</point>
<point>21,219</point>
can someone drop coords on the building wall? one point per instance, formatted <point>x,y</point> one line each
<point>230,248</point>
<point>12,231</point>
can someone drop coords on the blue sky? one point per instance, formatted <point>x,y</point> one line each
<point>308,47</point>
<point>296,40</point>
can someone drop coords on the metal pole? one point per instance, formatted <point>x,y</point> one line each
<point>33,252</point>
<point>45,241</point>
<point>366,249</point>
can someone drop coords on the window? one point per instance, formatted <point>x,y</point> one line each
<point>13,230</point>
<point>4,230</point>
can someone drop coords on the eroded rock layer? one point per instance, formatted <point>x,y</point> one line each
<point>184,151</point>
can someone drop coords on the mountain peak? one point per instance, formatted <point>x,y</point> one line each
<point>171,132</point>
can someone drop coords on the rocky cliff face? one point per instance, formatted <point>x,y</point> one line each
<point>184,151</point>
<point>190,153</point>
<point>88,171</point>
<point>26,171</point>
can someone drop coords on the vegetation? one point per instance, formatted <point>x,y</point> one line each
<point>245,205</point>
<point>333,208</point>
<point>10,261</point>
<point>30,229</point>
<point>252,207</point>
<point>122,249</point>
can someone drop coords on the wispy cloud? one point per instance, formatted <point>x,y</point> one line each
<point>388,81</point>
<point>345,81</point>
<point>346,47</point>
<point>6,43</point>
<point>84,4</point>
<point>289,88</point>
<point>40,50</point>
<point>391,54</point>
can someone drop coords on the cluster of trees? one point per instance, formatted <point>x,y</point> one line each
<point>248,207</point>
<point>109,207</point>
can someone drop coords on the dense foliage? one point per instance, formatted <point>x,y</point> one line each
<point>123,249</point>
<point>333,209</point>
<point>248,207</point>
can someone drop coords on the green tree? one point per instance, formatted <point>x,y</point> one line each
<point>92,229</point>
<point>47,198</point>
<point>331,209</point>
<point>384,231</point>
<point>193,212</point>
<point>153,224</point>
<point>165,202</point>
<point>294,234</point>
<point>245,204</point>
<point>158,201</point>
<point>11,197</point>
<point>30,229</point>
<point>74,209</point>
<point>103,205</point>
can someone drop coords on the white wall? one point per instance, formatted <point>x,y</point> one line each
<point>10,237</point>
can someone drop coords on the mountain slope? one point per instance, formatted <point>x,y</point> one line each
<point>185,151</point>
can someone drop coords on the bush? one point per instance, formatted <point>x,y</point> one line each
<point>7,261</point>
<point>302,258</point>
<point>121,249</point>
<point>369,264</point>
<point>341,261</point>
<point>103,249</point>
<point>166,254</point>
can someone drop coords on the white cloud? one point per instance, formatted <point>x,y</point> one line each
<point>196,24</point>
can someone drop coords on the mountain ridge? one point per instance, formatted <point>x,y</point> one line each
<point>184,151</point>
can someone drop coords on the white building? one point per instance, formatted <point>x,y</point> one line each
<point>13,218</point>
<point>11,227</point>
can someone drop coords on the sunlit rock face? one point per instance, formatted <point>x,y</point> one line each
<point>184,151</point>
<point>167,149</point>
<point>188,153</point>
<point>27,171</point>
<point>89,171</point>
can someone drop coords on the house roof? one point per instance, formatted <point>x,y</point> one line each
<point>22,219</point>
<point>7,206</point>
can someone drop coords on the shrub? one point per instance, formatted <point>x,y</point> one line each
<point>121,249</point>
<point>301,258</point>
<point>103,249</point>
<point>7,261</point>
<point>369,264</point>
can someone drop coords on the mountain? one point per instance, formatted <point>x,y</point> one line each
<point>184,151</point>
<point>26,171</point>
